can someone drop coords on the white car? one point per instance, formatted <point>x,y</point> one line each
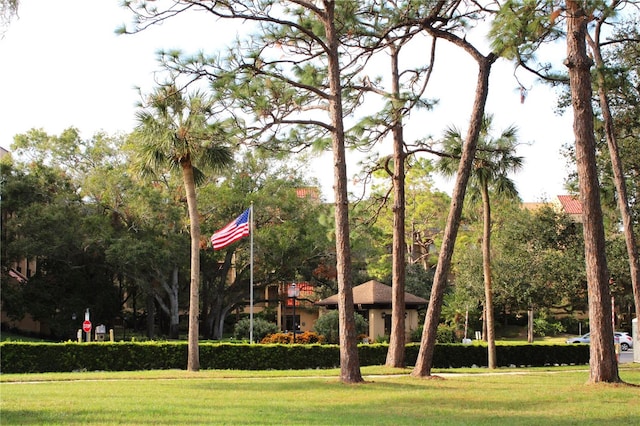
<point>626,342</point>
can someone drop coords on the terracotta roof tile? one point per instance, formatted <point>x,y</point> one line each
<point>571,204</point>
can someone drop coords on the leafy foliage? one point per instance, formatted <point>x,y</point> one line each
<point>546,326</point>
<point>261,328</point>
<point>327,326</point>
<point>49,222</point>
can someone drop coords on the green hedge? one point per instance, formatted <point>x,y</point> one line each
<point>128,356</point>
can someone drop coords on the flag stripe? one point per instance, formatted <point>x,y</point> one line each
<point>235,230</point>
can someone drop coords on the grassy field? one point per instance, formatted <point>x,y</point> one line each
<point>553,396</point>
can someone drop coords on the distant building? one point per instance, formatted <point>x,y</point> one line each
<point>310,192</point>
<point>569,204</point>
<point>18,273</point>
<point>372,300</point>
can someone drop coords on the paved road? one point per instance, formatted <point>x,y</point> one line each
<point>626,356</point>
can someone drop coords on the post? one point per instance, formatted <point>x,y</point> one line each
<point>530,325</point>
<point>87,318</point>
<point>251,273</point>
<point>613,313</point>
<point>293,293</point>
<point>466,322</point>
<point>616,340</point>
<point>612,283</point>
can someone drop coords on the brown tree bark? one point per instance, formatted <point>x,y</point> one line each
<point>349,360</point>
<point>396,352</point>
<point>603,363</point>
<point>618,171</point>
<point>424,361</point>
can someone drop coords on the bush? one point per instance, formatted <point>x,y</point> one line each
<point>307,337</point>
<point>136,356</point>
<point>261,328</point>
<point>382,339</point>
<point>416,334</point>
<point>546,326</point>
<point>327,326</point>
<point>445,334</point>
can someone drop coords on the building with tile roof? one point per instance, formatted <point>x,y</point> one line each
<point>569,204</point>
<point>373,301</point>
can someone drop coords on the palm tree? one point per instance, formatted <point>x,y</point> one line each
<point>494,160</point>
<point>174,130</point>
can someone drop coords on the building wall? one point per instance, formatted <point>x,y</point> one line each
<point>377,318</point>
<point>19,273</point>
<point>306,318</point>
<point>25,267</point>
<point>26,325</point>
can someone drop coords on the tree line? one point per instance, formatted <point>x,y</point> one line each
<point>103,215</point>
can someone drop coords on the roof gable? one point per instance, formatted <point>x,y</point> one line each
<point>374,293</point>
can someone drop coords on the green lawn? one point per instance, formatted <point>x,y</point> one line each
<point>527,397</point>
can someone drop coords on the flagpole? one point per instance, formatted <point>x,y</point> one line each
<point>251,274</point>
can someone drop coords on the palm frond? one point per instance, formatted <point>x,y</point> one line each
<point>217,157</point>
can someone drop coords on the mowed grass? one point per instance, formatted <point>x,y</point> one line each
<point>389,397</point>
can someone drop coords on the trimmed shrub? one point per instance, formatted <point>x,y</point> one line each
<point>302,338</point>
<point>129,356</point>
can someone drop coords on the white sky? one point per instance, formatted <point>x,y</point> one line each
<point>64,66</point>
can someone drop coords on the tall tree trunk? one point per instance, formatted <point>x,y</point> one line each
<point>486,269</point>
<point>396,351</point>
<point>206,331</point>
<point>173,310</point>
<point>604,367</point>
<point>193,357</point>
<point>174,323</point>
<point>484,321</point>
<point>349,360</point>
<point>218,321</point>
<point>618,172</point>
<point>151,316</point>
<point>424,362</point>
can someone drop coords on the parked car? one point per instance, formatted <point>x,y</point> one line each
<point>626,341</point>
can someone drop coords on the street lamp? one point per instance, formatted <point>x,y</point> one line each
<point>293,292</point>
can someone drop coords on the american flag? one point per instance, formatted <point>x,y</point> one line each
<point>235,230</point>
